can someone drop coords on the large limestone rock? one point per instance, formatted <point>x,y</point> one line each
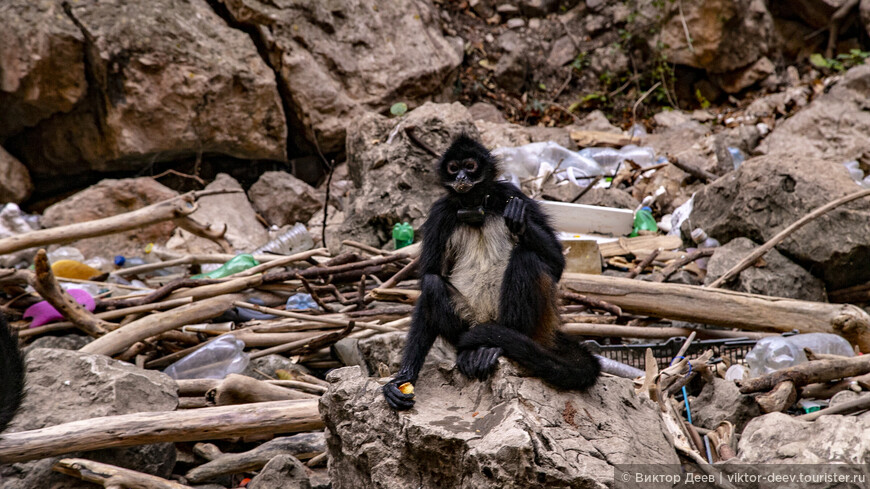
<point>778,276</point>
<point>15,184</point>
<point>719,31</point>
<point>768,193</point>
<point>337,60</point>
<point>835,126</point>
<point>64,386</point>
<point>394,179</point>
<point>170,80</point>
<point>109,198</point>
<point>721,400</point>
<point>509,432</point>
<point>780,438</point>
<point>42,69</point>
<point>284,199</point>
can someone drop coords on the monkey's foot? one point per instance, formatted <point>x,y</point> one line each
<point>395,398</point>
<point>480,363</point>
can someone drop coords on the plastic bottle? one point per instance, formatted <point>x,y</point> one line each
<point>777,352</point>
<point>65,253</point>
<point>643,221</point>
<point>301,301</point>
<point>236,264</point>
<point>223,356</point>
<point>619,369</point>
<point>128,262</point>
<point>295,240</point>
<point>523,162</point>
<point>737,157</point>
<point>642,155</point>
<point>403,234</point>
<point>699,236</point>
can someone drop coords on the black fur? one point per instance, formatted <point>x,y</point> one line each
<point>11,374</point>
<point>527,318</point>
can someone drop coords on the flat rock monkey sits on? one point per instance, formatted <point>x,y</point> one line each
<point>489,271</point>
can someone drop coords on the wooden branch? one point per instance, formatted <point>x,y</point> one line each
<point>161,211</point>
<point>228,287</point>
<point>199,387</point>
<point>699,173</point>
<point>48,288</point>
<point>761,250</point>
<point>809,373</point>
<point>598,329</point>
<point>644,263</point>
<point>599,138</point>
<point>122,338</point>
<point>282,261</point>
<point>857,404</point>
<point>672,268</point>
<point>316,272</point>
<point>779,399</point>
<point>592,302</point>
<point>307,345</point>
<point>725,307</point>
<point>630,246</point>
<point>405,296</point>
<point>240,389</point>
<point>111,476</point>
<point>205,231</point>
<point>309,317</point>
<point>303,445</point>
<point>159,427</point>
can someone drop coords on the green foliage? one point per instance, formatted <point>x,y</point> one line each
<point>399,109</point>
<point>580,61</point>
<point>701,99</point>
<point>842,62</point>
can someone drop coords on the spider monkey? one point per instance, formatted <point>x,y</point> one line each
<point>11,374</point>
<point>489,270</point>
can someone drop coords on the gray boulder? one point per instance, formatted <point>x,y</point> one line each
<point>394,179</point>
<point>15,184</point>
<point>778,276</point>
<point>340,60</point>
<point>721,400</point>
<point>170,79</point>
<point>508,432</point>
<point>284,471</point>
<point>768,193</point>
<point>284,199</point>
<point>780,438</point>
<point>64,386</point>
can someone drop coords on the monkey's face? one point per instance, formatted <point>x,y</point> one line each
<point>463,175</point>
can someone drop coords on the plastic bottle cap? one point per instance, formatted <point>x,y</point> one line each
<point>120,260</point>
<point>699,235</point>
<point>646,208</point>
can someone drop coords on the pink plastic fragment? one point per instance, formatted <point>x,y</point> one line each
<point>44,313</point>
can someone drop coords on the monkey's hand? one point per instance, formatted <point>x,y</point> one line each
<point>515,216</point>
<point>395,398</point>
<point>479,363</point>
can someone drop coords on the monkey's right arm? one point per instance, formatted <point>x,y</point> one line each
<point>433,314</point>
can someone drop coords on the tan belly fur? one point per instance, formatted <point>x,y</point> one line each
<point>480,256</point>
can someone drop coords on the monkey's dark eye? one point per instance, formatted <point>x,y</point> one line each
<point>470,166</point>
<point>452,168</point>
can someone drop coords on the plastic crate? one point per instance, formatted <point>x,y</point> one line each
<point>732,348</point>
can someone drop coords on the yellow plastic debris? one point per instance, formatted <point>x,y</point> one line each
<point>73,269</point>
<point>407,388</point>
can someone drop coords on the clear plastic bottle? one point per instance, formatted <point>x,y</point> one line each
<point>523,162</point>
<point>301,301</point>
<point>295,240</point>
<point>223,356</point>
<point>777,352</point>
<point>65,253</point>
<point>642,155</point>
<point>737,157</point>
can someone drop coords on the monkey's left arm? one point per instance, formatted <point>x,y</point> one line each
<point>528,222</point>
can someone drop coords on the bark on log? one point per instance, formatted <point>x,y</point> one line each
<point>598,329</point>
<point>159,427</point>
<point>120,339</point>
<point>725,307</point>
<point>809,373</point>
<point>779,399</point>
<point>111,476</point>
<point>239,389</point>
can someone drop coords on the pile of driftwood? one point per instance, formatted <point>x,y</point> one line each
<point>361,292</point>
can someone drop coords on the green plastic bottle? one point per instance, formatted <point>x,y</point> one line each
<point>403,234</point>
<point>235,265</point>
<point>644,221</point>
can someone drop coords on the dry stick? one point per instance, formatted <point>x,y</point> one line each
<point>597,329</point>
<point>303,445</point>
<point>592,302</point>
<point>725,307</point>
<point>162,211</point>
<point>198,387</point>
<point>306,345</point>
<point>308,317</point>
<point>699,173</point>
<point>809,373</point>
<point>409,130</point>
<point>241,389</point>
<point>157,294</point>
<point>402,274</point>
<point>122,338</point>
<point>859,404</point>
<point>365,247</point>
<point>159,427</point>
<point>669,270</point>
<point>761,250</point>
<point>361,292</point>
<point>779,398</point>
<point>111,476</point>
<point>48,288</point>
<point>313,294</point>
<point>315,272</point>
<point>228,287</point>
<point>587,188</point>
<point>644,263</point>
<point>150,267</point>
<point>205,231</point>
<point>282,261</point>
<point>117,313</point>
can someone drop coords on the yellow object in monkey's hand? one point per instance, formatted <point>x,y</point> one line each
<point>406,388</point>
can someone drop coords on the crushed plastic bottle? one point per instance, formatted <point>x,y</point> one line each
<point>295,240</point>
<point>301,301</point>
<point>778,352</point>
<point>403,234</point>
<point>223,356</point>
<point>736,372</point>
<point>523,162</point>
<point>236,264</point>
<point>128,262</point>
<point>680,215</point>
<point>737,156</point>
<point>642,155</point>
<point>637,131</point>
<point>643,221</point>
<point>65,253</point>
<point>699,236</point>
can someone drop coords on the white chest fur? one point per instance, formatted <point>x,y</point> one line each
<point>479,256</point>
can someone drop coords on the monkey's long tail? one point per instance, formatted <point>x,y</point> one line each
<point>11,374</point>
<point>571,366</point>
